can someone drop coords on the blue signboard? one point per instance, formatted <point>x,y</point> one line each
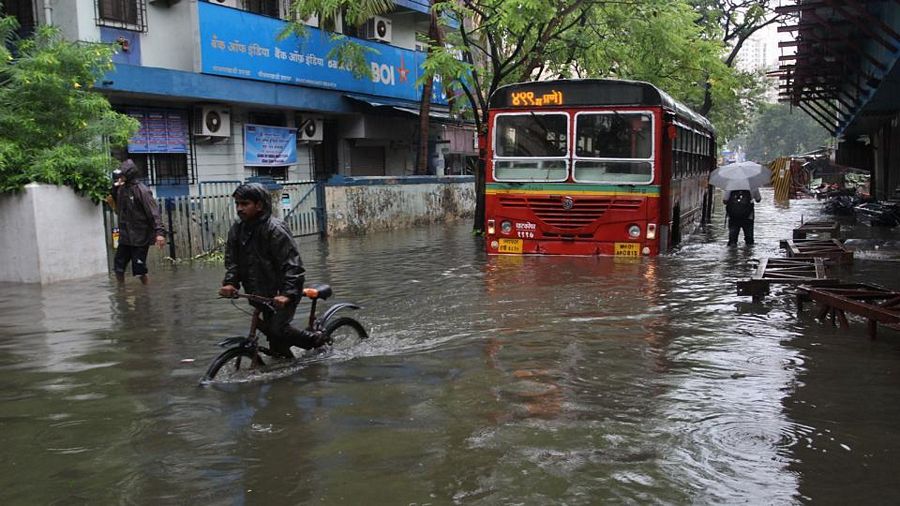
<point>267,145</point>
<point>241,44</point>
<point>161,131</point>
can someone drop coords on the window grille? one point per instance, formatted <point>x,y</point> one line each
<point>277,173</point>
<point>264,7</point>
<point>126,14</point>
<point>23,11</point>
<point>166,168</point>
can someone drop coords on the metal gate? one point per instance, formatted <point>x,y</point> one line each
<point>198,225</point>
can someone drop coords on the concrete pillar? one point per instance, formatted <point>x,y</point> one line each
<point>49,234</point>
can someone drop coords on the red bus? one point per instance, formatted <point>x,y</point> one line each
<point>594,167</point>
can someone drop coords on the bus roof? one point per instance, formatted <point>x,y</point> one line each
<point>590,92</point>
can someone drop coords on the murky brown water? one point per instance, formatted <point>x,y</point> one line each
<point>488,381</point>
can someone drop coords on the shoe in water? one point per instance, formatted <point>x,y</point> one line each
<point>320,340</point>
<point>281,351</point>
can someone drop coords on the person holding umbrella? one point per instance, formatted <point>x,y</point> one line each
<point>740,183</point>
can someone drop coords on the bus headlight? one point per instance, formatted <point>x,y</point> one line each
<point>506,227</point>
<point>651,231</point>
<point>495,244</point>
<point>634,231</point>
<point>490,227</point>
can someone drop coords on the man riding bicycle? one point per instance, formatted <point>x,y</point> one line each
<point>262,256</point>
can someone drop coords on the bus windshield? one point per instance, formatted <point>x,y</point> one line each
<point>614,147</point>
<point>531,147</point>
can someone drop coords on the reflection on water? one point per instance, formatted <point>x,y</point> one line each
<point>501,380</point>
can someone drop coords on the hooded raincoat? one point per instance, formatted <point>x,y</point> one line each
<point>262,256</point>
<point>139,218</point>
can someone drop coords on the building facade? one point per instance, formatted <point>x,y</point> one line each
<point>222,97</point>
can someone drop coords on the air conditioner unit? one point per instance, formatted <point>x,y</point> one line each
<point>310,129</point>
<point>212,121</point>
<point>377,28</point>
<point>226,3</point>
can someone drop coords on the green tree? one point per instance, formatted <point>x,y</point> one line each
<point>779,130</point>
<point>56,129</point>
<point>658,41</point>
<point>354,56</point>
<point>731,23</point>
<point>503,41</point>
<point>331,12</point>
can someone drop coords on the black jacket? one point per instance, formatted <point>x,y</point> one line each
<point>263,257</point>
<point>139,220</point>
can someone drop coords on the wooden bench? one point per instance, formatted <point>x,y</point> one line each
<point>830,228</point>
<point>832,250</point>
<point>874,303</point>
<point>792,271</point>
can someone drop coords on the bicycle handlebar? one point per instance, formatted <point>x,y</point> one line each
<point>254,298</point>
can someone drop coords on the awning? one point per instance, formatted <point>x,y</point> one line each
<point>438,112</point>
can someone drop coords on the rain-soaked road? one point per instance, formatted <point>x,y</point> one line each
<point>488,381</point>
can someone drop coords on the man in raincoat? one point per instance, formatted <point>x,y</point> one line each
<point>139,222</point>
<point>261,256</point>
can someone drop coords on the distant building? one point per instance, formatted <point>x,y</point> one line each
<point>759,54</point>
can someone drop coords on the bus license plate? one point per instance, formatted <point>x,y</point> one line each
<point>510,246</point>
<point>627,249</point>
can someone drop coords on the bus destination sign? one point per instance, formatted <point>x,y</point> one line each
<point>520,98</point>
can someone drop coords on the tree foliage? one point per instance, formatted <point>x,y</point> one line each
<point>678,45</point>
<point>350,55</point>
<point>56,129</point>
<point>731,23</point>
<point>779,130</point>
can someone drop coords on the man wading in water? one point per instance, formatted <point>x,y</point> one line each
<point>139,222</point>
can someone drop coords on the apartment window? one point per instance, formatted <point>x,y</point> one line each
<point>348,29</point>
<point>264,7</point>
<point>278,173</point>
<point>127,14</point>
<point>162,147</point>
<point>23,11</point>
<point>166,168</point>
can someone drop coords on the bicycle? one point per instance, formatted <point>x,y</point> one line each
<point>338,332</point>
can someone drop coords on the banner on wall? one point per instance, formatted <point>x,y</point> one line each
<point>241,44</point>
<point>267,146</point>
<point>161,131</point>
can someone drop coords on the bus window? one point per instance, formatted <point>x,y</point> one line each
<point>614,147</point>
<point>530,147</point>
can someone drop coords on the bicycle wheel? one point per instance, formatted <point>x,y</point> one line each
<point>231,364</point>
<point>345,332</point>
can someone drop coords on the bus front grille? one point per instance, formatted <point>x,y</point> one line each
<point>583,212</point>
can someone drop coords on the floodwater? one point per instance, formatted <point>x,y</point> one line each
<point>487,381</point>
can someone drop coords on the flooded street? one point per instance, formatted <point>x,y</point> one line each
<point>487,381</point>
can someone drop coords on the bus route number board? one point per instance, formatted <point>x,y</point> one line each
<point>509,246</point>
<point>627,249</point>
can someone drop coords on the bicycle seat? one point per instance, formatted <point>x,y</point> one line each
<point>318,291</point>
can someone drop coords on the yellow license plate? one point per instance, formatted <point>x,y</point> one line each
<point>510,246</point>
<point>627,249</point>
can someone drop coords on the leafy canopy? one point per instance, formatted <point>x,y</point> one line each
<point>348,54</point>
<point>56,129</point>
<point>778,130</point>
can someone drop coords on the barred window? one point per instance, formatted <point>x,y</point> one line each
<point>264,7</point>
<point>278,173</point>
<point>166,168</point>
<point>127,14</point>
<point>162,148</point>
